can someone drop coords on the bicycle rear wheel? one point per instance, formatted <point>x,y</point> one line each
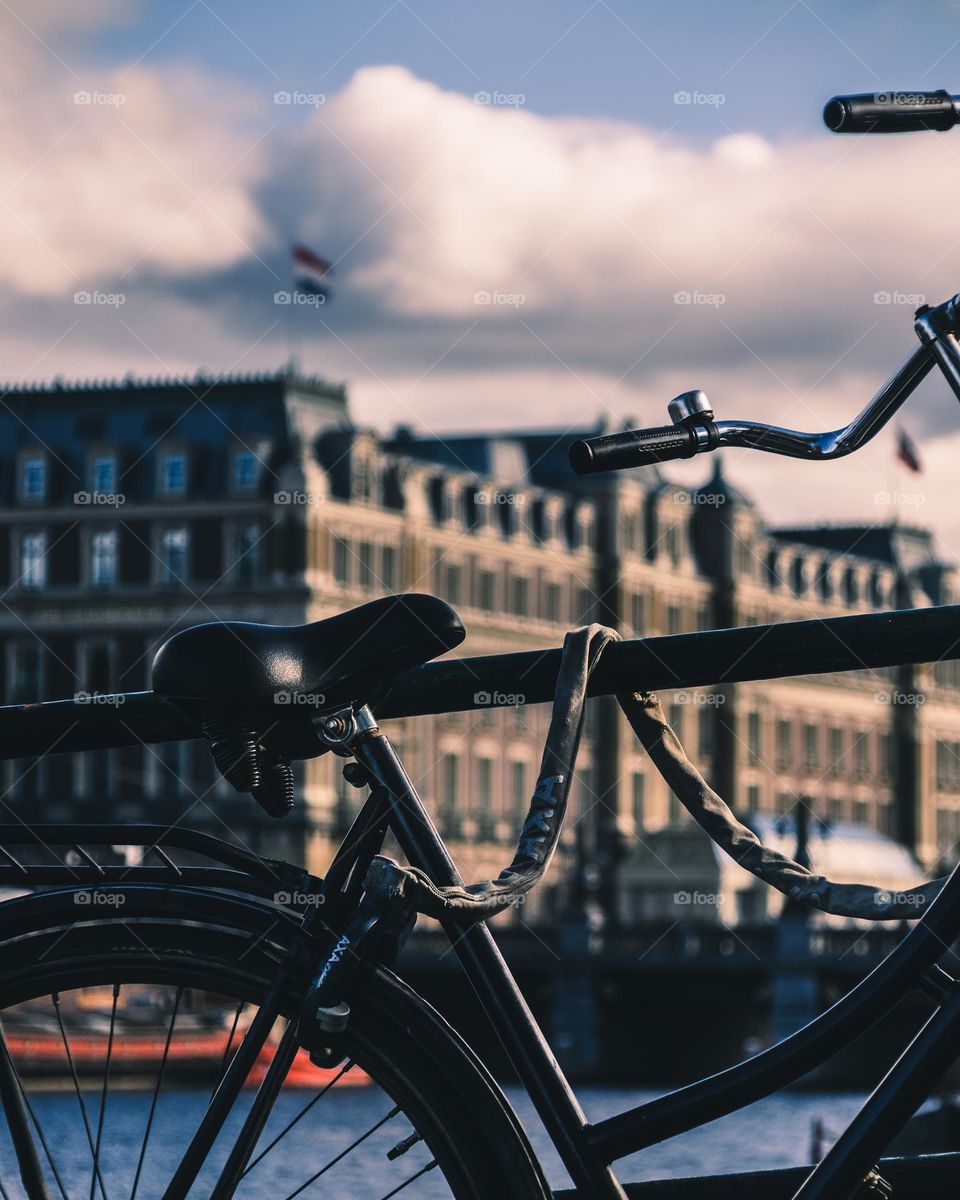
<point>118,1030</point>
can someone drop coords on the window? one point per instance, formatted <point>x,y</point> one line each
<point>811,747</point>
<point>173,555</point>
<point>637,612</point>
<point>365,565</point>
<point>672,542</point>
<point>341,561</point>
<point>27,673</point>
<point>638,784</point>
<point>484,811</point>
<point>103,475</point>
<point>33,478</point>
<point>245,471</point>
<point>754,736</point>
<point>861,754</point>
<point>674,619</point>
<point>248,549</point>
<point>33,561</point>
<point>784,743</point>
<point>520,596</point>
<point>551,602</point>
<point>486,583</point>
<point>173,473</point>
<point>453,584</point>
<point>103,558</point>
<point>705,729</point>
<point>519,791</point>
<point>675,719</point>
<point>887,761</point>
<point>449,797</point>
<point>836,751</point>
<point>388,568</point>
<point>753,798</point>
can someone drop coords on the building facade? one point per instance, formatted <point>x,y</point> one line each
<point>132,509</point>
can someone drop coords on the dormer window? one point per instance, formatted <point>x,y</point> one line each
<point>33,478</point>
<point>245,470</point>
<point>103,475</point>
<point>173,473</point>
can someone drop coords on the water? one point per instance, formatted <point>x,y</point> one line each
<point>772,1133</point>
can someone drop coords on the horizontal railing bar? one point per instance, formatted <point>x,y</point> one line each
<point>754,652</point>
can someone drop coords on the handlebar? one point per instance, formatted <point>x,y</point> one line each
<point>694,429</point>
<point>892,112</point>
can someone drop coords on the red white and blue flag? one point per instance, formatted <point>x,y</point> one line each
<point>907,452</point>
<point>311,273</point>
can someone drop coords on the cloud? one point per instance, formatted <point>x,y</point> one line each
<point>109,172</point>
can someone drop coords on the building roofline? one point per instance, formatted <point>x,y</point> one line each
<point>200,381</point>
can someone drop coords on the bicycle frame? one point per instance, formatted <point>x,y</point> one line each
<point>589,1150</point>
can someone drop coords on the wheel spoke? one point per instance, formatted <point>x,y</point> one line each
<point>412,1179</point>
<point>55,998</point>
<point>343,1153</point>
<point>229,1046</point>
<point>104,1092</point>
<point>302,1113</point>
<point>156,1093</point>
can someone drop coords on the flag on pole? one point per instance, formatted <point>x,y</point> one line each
<point>907,452</point>
<point>311,273</point>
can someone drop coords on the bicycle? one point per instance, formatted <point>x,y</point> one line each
<point>308,961</point>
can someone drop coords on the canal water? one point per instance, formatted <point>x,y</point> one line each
<point>772,1133</point>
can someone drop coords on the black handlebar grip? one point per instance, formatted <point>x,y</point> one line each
<point>890,112</point>
<point>633,448</point>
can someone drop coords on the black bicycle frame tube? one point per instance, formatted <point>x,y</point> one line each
<point>490,977</point>
<point>801,1052</point>
<point>883,639</point>
<point>897,1097</point>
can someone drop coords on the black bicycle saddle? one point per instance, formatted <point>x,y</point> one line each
<point>343,659</point>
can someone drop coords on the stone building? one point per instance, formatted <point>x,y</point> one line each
<point>131,509</point>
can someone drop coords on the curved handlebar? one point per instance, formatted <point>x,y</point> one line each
<point>695,430</point>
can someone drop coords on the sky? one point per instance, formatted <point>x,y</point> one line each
<point>540,214</point>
